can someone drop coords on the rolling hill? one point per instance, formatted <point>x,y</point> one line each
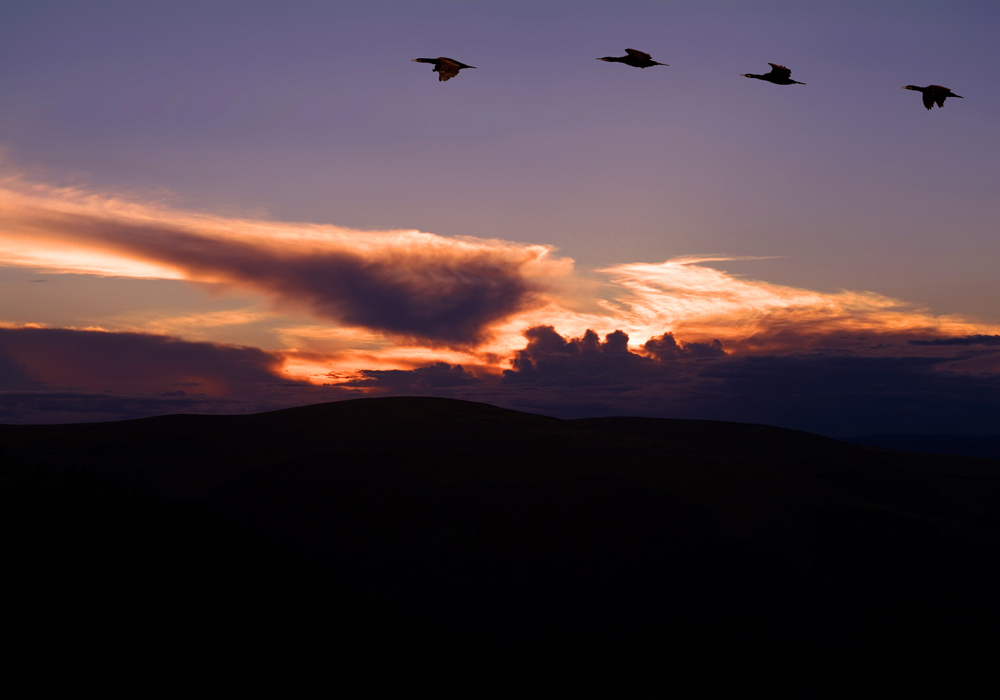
<point>222,547</point>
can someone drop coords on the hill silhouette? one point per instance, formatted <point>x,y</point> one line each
<point>411,525</point>
<point>984,446</point>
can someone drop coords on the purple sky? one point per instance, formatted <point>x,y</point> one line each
<point>313,113</point>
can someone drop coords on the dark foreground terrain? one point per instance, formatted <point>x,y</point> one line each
<point>383,541</point>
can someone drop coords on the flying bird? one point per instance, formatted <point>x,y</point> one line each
<point>932,94</point>
<point>446,68</point>
<point>779,75</point>
<point>636,59</point>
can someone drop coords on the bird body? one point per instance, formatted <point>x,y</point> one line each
<point>446,68</point>
<point>636,59</point>
<point>932,94</point>
<point>779,75</point>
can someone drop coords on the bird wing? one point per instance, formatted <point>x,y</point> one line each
<point>447,68</point>
<point>928,96</point>
<point>779,71</point>
<point>939,93</point>
<point>638,54</point>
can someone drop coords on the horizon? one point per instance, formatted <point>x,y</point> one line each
<point>238,208</point>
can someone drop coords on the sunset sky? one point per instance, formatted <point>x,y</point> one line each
<point>226,207</point>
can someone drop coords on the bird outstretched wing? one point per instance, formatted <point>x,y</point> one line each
<point>447,68</point>
<point>929,99</point>
<point>780,71</point>
<point>639,54</point>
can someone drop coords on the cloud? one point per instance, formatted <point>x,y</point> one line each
<point>13,374</point>
<point>701,303</point>
<point>838,391</point>
<point>425,292</point>
<point>666,348</point>
<point>406,312</point>
<point>420,380</point>
<point>852,394</point>
<point>52,406</point>
<point>97,360</point>
<point>64,375</point>
<point>551,359</point>
<point>967,340</point>
<point>59,375</point>
<point>410,285</point>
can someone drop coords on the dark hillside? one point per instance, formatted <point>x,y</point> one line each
<point>500,530</point>
<point>122,591</point>
<point>984,446</point>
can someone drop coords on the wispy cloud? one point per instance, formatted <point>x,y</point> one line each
<point>694,301</point>
<point>189,325</point>
<point>406,284</point>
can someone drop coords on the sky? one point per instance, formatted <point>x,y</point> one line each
<point>228,207</point>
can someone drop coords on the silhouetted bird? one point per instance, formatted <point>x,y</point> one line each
<point>779,75</point>
<point>446,68</point>
<point>636,59</point>
<point>932,94</point>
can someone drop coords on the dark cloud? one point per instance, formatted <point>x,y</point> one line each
<point>965,340</point>
<point>436,376</point>
<point>55,375</point>
<point>551,359</point>
<point>666,348</point>
<point>53,406</point>
<point>96,358</point>
<point>47,405</point>
<point>832,391</point>
<point>851,394</point>
<point>13,375</point>
<point>446,293</point>
<point>59,375</point>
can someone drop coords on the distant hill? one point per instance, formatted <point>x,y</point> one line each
<point>415,527</point>
<point>983,446</point>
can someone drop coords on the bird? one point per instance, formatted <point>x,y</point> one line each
<point>779,75</point>
<point>636,59</point>
<point>932,94</point>
<point>446,68</point>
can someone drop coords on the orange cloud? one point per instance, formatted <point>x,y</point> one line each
<point>405,284</point>
<point>403,299</point>
<point>697,302</point>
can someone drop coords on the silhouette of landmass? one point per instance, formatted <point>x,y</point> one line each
<point>984,446</point>
<point>294,550</point>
